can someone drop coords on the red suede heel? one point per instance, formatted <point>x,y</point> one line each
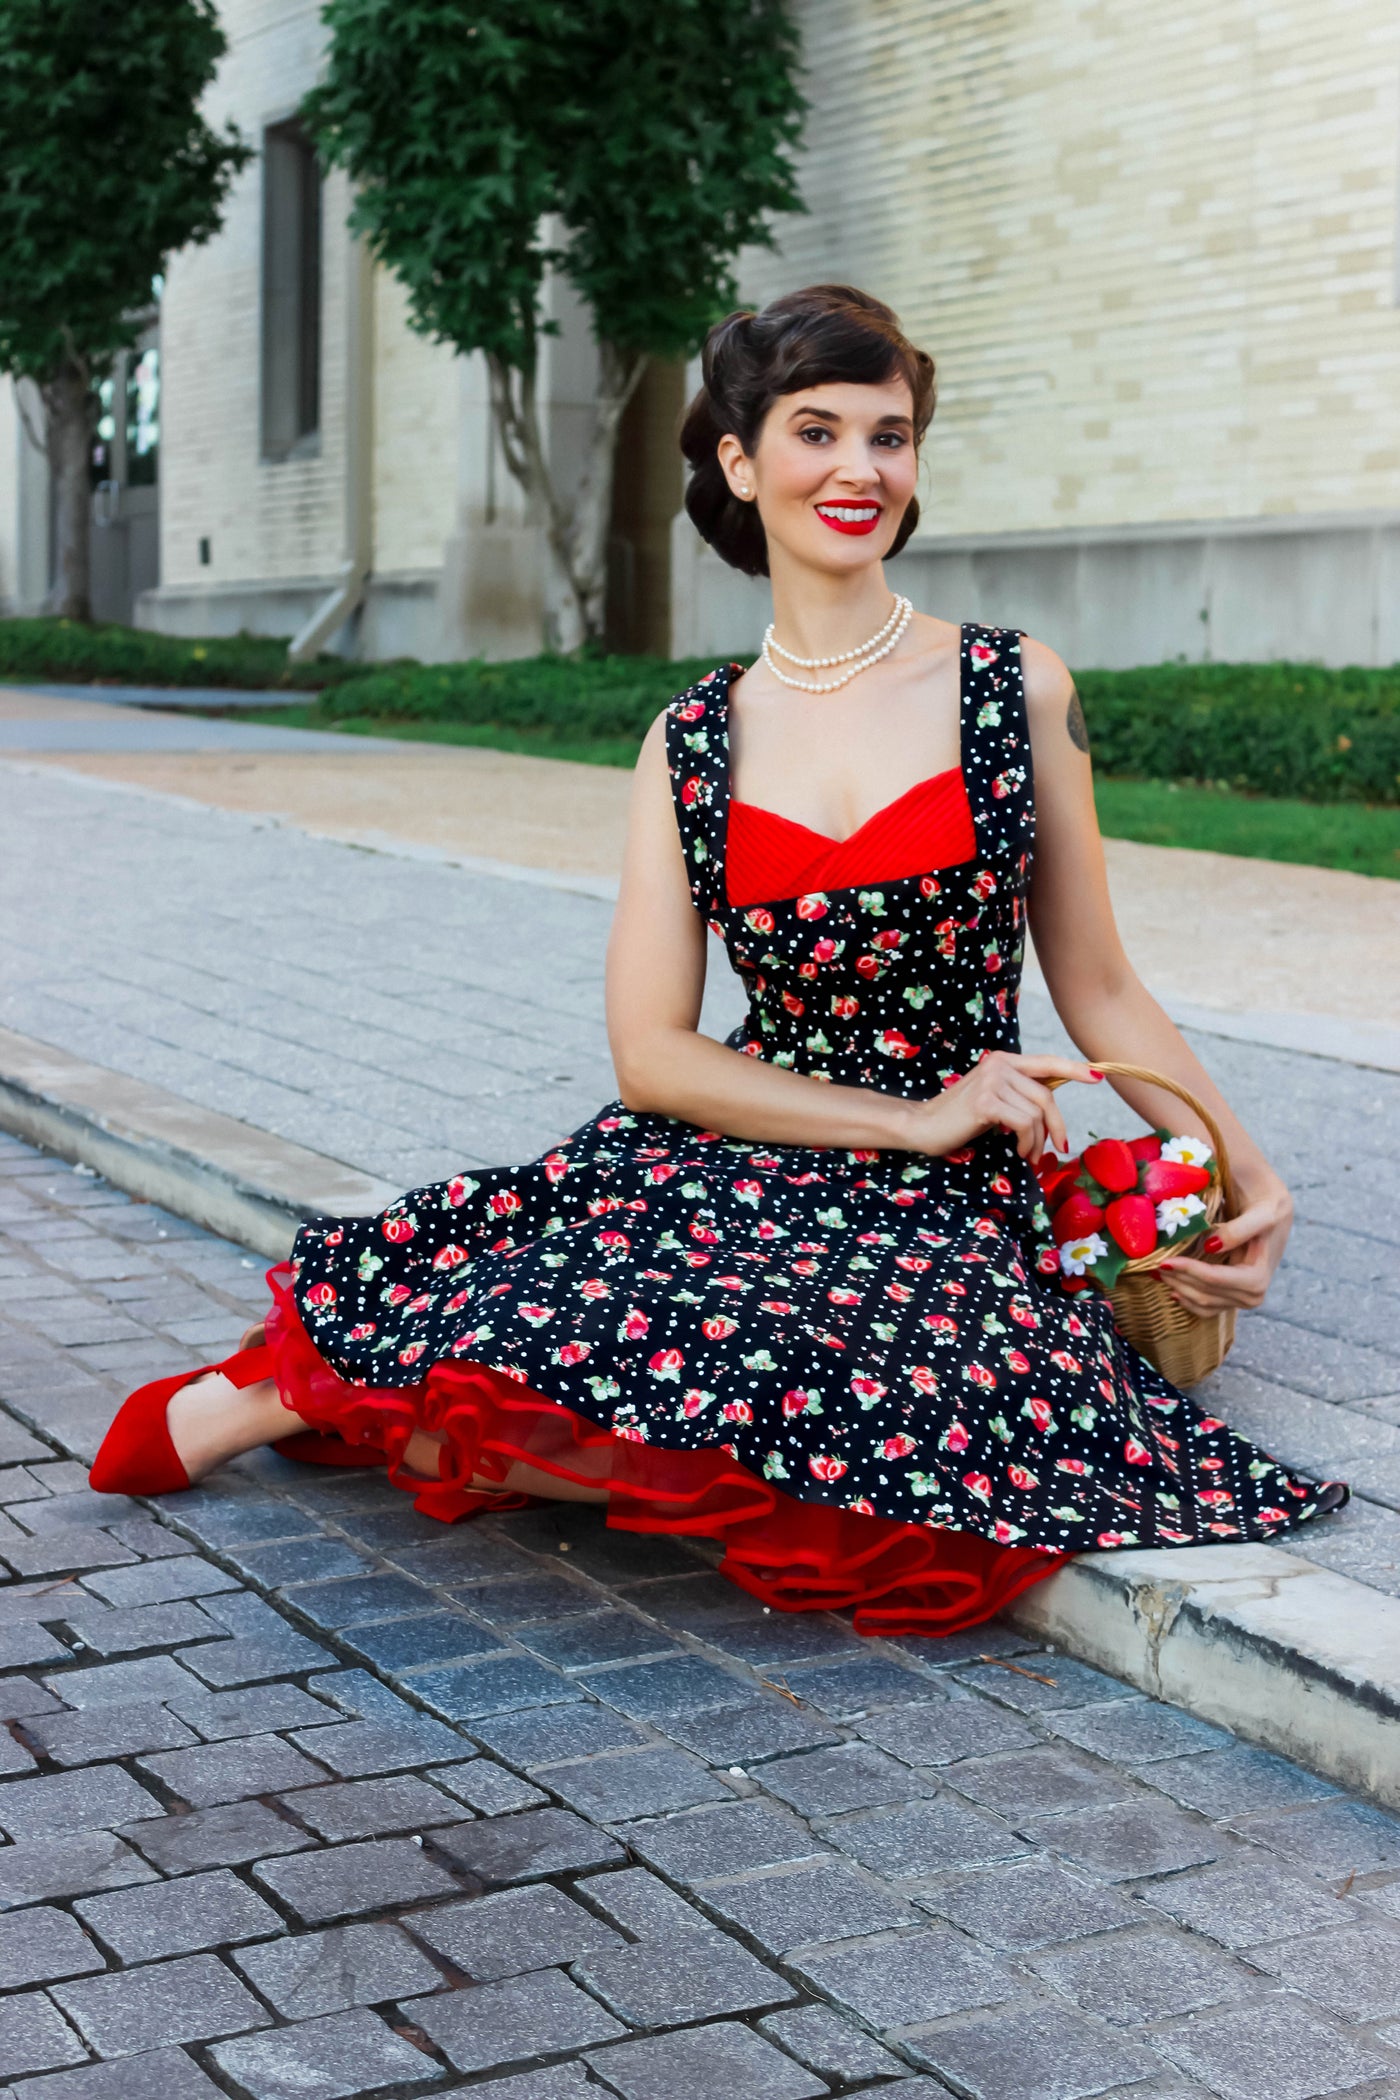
<point>136,1456</point>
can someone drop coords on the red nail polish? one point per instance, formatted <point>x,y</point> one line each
<point>1214,1243</point>
<point>1093,1074</point>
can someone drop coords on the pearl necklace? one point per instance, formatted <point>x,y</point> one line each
<point>857,660</point>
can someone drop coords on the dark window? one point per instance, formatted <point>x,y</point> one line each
<point>291,292</point>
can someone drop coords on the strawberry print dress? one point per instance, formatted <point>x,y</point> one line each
<point>857,1370</point>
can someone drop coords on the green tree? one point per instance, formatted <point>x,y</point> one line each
<point>106,168</point>
<point>633,148</point>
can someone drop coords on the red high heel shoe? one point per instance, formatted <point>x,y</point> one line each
<point>137,1456</point>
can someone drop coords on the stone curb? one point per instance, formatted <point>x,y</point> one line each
<point>1283,1652</point>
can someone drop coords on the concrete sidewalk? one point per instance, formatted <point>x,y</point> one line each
<point>311,1798</point>
<point>403,1019</point>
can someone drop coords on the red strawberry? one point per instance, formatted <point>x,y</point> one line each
<point>1112,1165</point>
<point>1133,1222</point>
<point>1075,1216</point>
<point>1055,1177</point>
<point>1173,1177</point>
<point>1149,1146</point>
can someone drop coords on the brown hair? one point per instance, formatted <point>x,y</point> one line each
<point>827,333</point>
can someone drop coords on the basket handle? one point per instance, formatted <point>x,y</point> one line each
<point>1174,1086</point>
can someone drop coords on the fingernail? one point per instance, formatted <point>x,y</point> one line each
<point>1166,1264</point>
<point>1214,1243</point>
<point>1093,1074</point>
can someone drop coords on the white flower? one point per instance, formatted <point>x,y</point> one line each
<point>1078,1255</point>
<point>1187,1151</point>
<point>1177,1210</point>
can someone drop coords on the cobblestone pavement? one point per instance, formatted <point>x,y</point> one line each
<point>412,1019</point>
<point>307,1797</point>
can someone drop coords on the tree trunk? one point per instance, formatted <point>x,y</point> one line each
<point>68,408</point>
<point>576,527</point>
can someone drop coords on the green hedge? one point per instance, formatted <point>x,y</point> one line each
<point>66,652</point>
<point>1272,729</point>
<point>602,696</point>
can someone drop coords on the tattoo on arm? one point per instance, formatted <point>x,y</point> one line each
<point>1074,722</point>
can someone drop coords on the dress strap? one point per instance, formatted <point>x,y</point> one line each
<point>996,746</point>
<point>697,753</point>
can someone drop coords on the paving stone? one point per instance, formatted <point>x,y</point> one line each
<point>1353,1970</point>
<point>831,1782</point>
<point>348,1880</point>
<point>365,1597</point>
<point>846,1691</point>
<point>546,1596</point>
<point>1132,1977</point>
<point>33,2037</point>
<point>927,1837</point>
<point>306,1560</point>
<point>1054,2055</point>
<point>715,1844</point>
<point>443,1561</point>
<point>595,1637</point>
<point>72,1548</point>
<point>642,1905</point>
<point>555,1734</point>
<point>1244,1905</point>
<point>21,1696</point>
<point>40,1946</point>
<point>160,2074</point>
<point>359,1808</point>
<point>1057,1682</point>
<point>312,1973</point>
<point>502,1850</point>
<point>1274,2048</point>
<point>239,1521</point>
<point>153,1541</point>
<point>98,1798</point>
<point>226,1836</point>
<point>894,1984</point>
<point>487,1787</point>
<point>328,2059</point>
<point>21,1645</point>
<point>1335,1837</point>
<point>490,2024</point>
<point>511,1932</point>
<point>1045,1781</point>
<point>362,1749</point>
<point>233,1771</point>
<point>108,1630</point>
<point>824,2042</point>
<point>708,2063</point>
<point>67,1867</point>
<point>777,1640</point>
<point>81,1508</point>
<point>171,2001</point>
<point>154,1679</point>
<point>749,1734</point>
<point>655,1691</point>
<point>807,1906</point>
<point>629,1784</point>
<point>107,1731</point>
<point>1136,1731</point>
<point>1028,1906</point>
<point>1237,1781</point>
<point>657,1984</point>
<point>470,1691</point>
<point>558,2082</point>
<point>432,1639</point>
<point>941,1735</point>
<point>256,1709</point>
<point>1133,1838</point>
<point>178,1917</point>
<point>159,1582</point>
<point>224,1663</point>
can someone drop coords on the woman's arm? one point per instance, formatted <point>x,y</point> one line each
<point>656,977</point>
<point>1106,1008</point>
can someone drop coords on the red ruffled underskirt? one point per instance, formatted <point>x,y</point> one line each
<point>794,1556</point>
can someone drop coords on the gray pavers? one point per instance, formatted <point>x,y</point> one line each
<point>508,1849</point>
<point>358,1749</point>
<point>1246,1903</point>
<point>512,1932</point>
<point>895,1983</point>
<point>824,2042</point>
<point>1134,1838</point>
<point>657,1984</point>
<point>96,1799</point>
<point>717,1843</point>
<point>831,1782</point>
<point>256,1710</point>
<point>642,1905</point>
<point>1055,2052</point>
<point>348,1881</point>
<point>811,1904</point>
<point>1129,1978</point>
<point>1339,1836</point>
<point>749,1733</point>
<point>941,1735</point>
<point>360,1808</point>
<point>178,1917</point>
<point>491,2024</point>
<point>545,1736</point>
<point>328,2059</point>
<point>1030,1905</point>
<point>159,2074</point>
<point>629,1784</point>
<point>1276,2048</point>
<point>107,1732</point>
<point>487,1787</point>
<point>34,2037</point>
<point>1353,1971</point>
<point>234,1771</point>
<point>473,1690</point>
<point>68,1867</point>
<point>723,2059</point>
<point>347,1965</point>
<point>928,1837</point>
<point>41,1946</point>
<point>170,2001</point>
<point>1236,1781</point>
<point>215,1837</point>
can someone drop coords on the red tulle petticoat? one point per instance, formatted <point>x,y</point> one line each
<point>794,1556</point>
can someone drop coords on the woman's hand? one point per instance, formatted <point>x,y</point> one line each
<point>1004,1090</point>
<point>1256,1240</point>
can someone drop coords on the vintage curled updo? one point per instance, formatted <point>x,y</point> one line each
<point>828,333</point>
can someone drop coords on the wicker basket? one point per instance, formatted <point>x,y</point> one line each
<point>1184,1346</point>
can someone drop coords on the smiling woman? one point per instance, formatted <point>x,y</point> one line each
<point>798,1291</point>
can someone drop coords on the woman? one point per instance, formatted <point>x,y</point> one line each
<point>797,1291</point>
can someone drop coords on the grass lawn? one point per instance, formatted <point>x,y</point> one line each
<point>1360,836</point>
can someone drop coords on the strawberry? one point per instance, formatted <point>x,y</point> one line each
<point>1055,1178</point>
<point>1148,1146</point>
<point>1075,1216</point>
<point>1132,1220</point>
<point>1173,1177</point>
<point>1112,1165</point>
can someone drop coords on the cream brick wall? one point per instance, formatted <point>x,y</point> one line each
<point>417,389</point>
<point>1152,248</point>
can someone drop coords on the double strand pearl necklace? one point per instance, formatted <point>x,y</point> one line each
<point>856,660</point>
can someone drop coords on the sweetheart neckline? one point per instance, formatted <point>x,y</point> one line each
<point>795,823</point>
